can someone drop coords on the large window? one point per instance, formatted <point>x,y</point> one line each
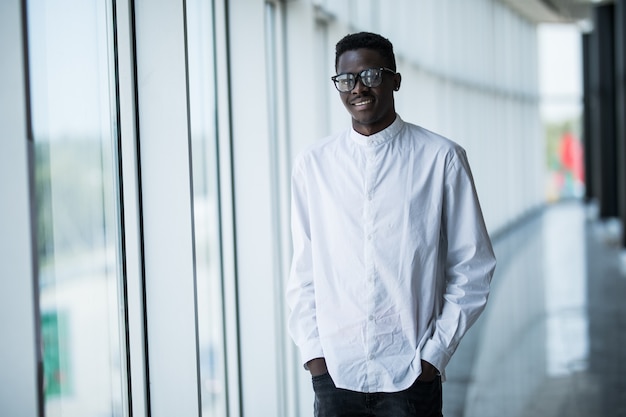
<point>80,276</point>
<point>204,133</point>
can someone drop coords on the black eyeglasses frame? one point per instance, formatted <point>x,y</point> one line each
<point>358,76</point>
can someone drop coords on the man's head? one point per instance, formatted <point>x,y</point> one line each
<point>366,79</point>
<point>367,40</point>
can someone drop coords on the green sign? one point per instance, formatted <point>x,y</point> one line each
<point>56,355</point>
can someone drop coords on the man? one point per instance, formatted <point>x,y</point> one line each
<point>391,258</point>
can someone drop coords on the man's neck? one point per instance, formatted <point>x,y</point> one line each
<point>369,130</point>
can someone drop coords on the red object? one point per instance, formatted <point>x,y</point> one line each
<point>572,156</point>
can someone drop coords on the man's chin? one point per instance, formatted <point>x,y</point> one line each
<point>363,120</point>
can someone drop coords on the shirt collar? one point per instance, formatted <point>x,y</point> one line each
<point>381,137</point>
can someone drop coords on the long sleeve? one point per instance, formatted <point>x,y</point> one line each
<point>300,290</point>
<point>469,263</point>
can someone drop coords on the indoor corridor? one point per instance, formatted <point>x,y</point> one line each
<point>146,156</point>
<point>551,340</point>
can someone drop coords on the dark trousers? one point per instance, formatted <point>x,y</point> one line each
<point>422,399</point>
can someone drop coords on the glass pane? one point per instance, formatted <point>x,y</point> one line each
<point>77,215</point>
<point>202,97</point>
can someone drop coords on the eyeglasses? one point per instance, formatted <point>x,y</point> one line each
<point>371,77</point>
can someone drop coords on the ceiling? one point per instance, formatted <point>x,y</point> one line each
<point>556,11</point>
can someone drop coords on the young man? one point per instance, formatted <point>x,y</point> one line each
<point>391,258</point>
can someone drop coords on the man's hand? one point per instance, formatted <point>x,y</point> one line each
<point>429,372</point>
<point>317,366</point>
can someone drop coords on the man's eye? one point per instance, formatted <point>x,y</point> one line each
<point>344,81</point>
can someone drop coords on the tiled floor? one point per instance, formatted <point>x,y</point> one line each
<point>552,341</point>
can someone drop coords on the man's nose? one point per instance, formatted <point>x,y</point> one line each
<point>359,86</point>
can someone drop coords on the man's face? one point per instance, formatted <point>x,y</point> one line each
<point>372,108</point>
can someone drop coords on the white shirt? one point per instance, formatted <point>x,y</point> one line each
<point>391,258</point>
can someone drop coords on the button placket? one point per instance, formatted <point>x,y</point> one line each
<point>369,234</point>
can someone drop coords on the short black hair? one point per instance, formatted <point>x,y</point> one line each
<point>366,40</point>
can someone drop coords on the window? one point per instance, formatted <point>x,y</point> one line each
<point>203,127</point>
<point>80,272</point>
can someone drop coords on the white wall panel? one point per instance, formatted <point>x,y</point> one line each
<point>167,209</point>
<point>18,355</point>
<point>253,209</point>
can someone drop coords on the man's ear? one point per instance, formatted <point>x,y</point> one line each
<point>398,80</point>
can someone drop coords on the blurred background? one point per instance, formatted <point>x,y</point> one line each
<point>144,171</point>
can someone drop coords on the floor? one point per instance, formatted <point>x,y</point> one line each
<point>552,340</point>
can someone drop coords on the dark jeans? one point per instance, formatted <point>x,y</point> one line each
<point>422,399</point>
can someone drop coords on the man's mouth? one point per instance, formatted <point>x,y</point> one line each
<point>363,102</point>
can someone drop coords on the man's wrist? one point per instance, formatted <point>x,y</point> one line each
<point>429,371</point>
<point>317,366</point>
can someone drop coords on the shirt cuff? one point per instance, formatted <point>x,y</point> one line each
<point>310,350</point>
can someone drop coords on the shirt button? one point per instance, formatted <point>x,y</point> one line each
<point>369,237</point>
<point>371,356</point>
<point>371,318</point>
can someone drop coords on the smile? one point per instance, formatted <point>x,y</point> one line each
<point>363,103</point>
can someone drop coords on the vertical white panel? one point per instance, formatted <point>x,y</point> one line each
<point>18,357</point>
<point>308,68</point>
<point>253,209</point>
<point>167,209</point>
<point>227,212</point>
